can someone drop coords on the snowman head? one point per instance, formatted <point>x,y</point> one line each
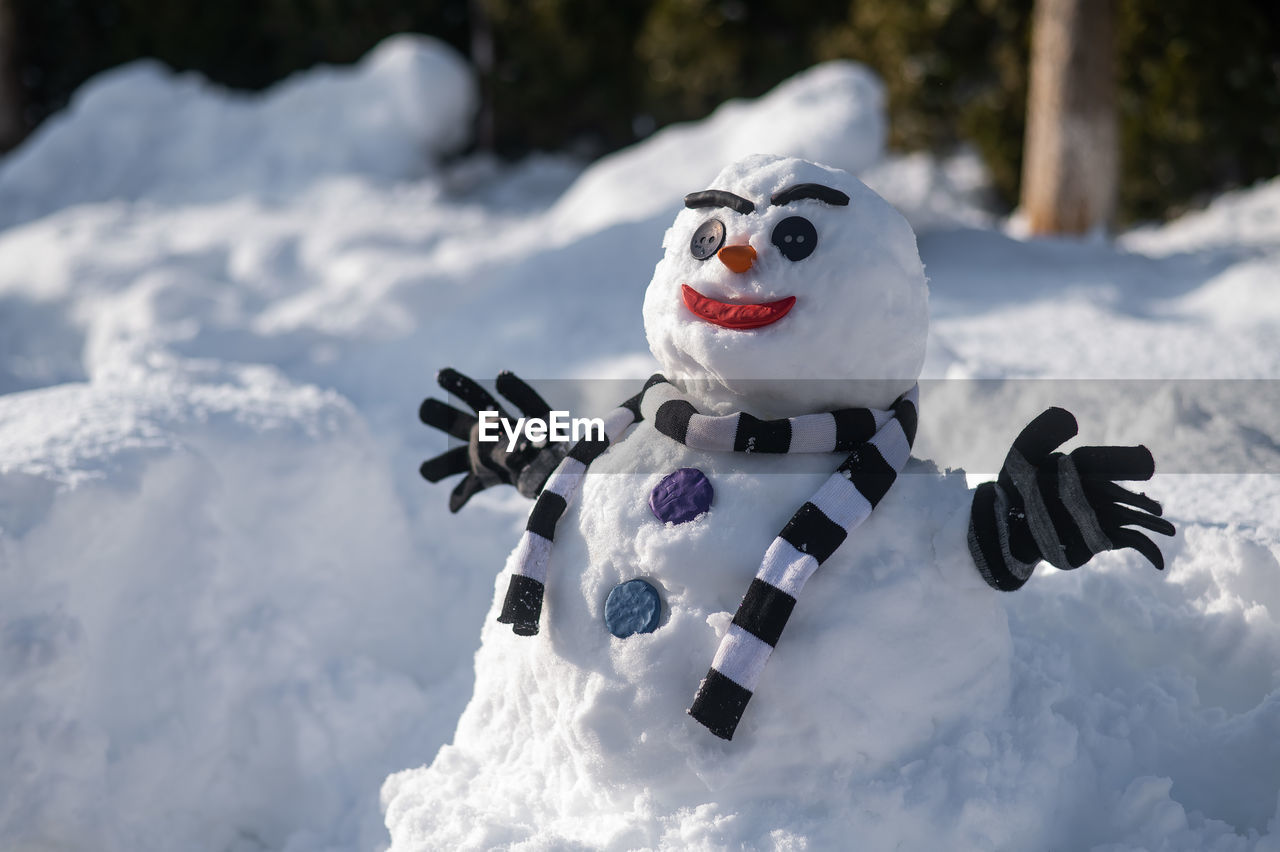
<point>787,288</point>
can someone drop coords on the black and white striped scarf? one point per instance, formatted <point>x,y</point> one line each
<point>878,443</point>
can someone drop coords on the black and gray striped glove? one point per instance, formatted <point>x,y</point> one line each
<point>1064,509</point>
<point>486,463</point>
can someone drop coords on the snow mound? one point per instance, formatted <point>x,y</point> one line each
<point>206,588</point>
<point>934,193</point>
<point>142,131</point>
<point>1241,219</point>
<point>831,114</point>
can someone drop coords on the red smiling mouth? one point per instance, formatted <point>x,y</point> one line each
<point>733,316</point>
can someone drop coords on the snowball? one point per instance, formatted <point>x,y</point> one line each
<point>856,333</point>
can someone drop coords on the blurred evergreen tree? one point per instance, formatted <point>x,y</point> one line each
<point>12,102</point>
<point>697,53</point>
<point>564,73</point>
<point>955,71</point>
<point>1199,83</point>
<point>1199,100</point>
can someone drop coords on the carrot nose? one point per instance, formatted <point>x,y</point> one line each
<point>737,258</point>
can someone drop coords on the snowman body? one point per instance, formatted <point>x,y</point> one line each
<point>575,737</point>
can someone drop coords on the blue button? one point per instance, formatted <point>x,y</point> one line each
<point>632,607</point>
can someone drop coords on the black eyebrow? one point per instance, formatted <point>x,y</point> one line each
<point>719,198</point>
<point>810,190</point>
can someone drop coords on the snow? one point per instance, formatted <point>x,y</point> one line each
<point>232,616</point>
<point>832,114</point>
<point>141,131</point>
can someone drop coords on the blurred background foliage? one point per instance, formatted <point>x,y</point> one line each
<point>1199,87</point>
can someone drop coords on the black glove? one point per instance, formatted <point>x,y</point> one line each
<point>487,463</point>
<point>1064,509</point>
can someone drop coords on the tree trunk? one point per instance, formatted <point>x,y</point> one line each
<point>1070,157</point>
<point>12,122</point>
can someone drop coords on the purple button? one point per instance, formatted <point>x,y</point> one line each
<point>681,496</point>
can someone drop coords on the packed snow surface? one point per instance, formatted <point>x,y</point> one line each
<point>232,617</point>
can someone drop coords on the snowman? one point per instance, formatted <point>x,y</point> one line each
<point>754,503</point>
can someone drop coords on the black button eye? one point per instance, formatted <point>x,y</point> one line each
<point>795,237</point>
<point>707,239</point>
